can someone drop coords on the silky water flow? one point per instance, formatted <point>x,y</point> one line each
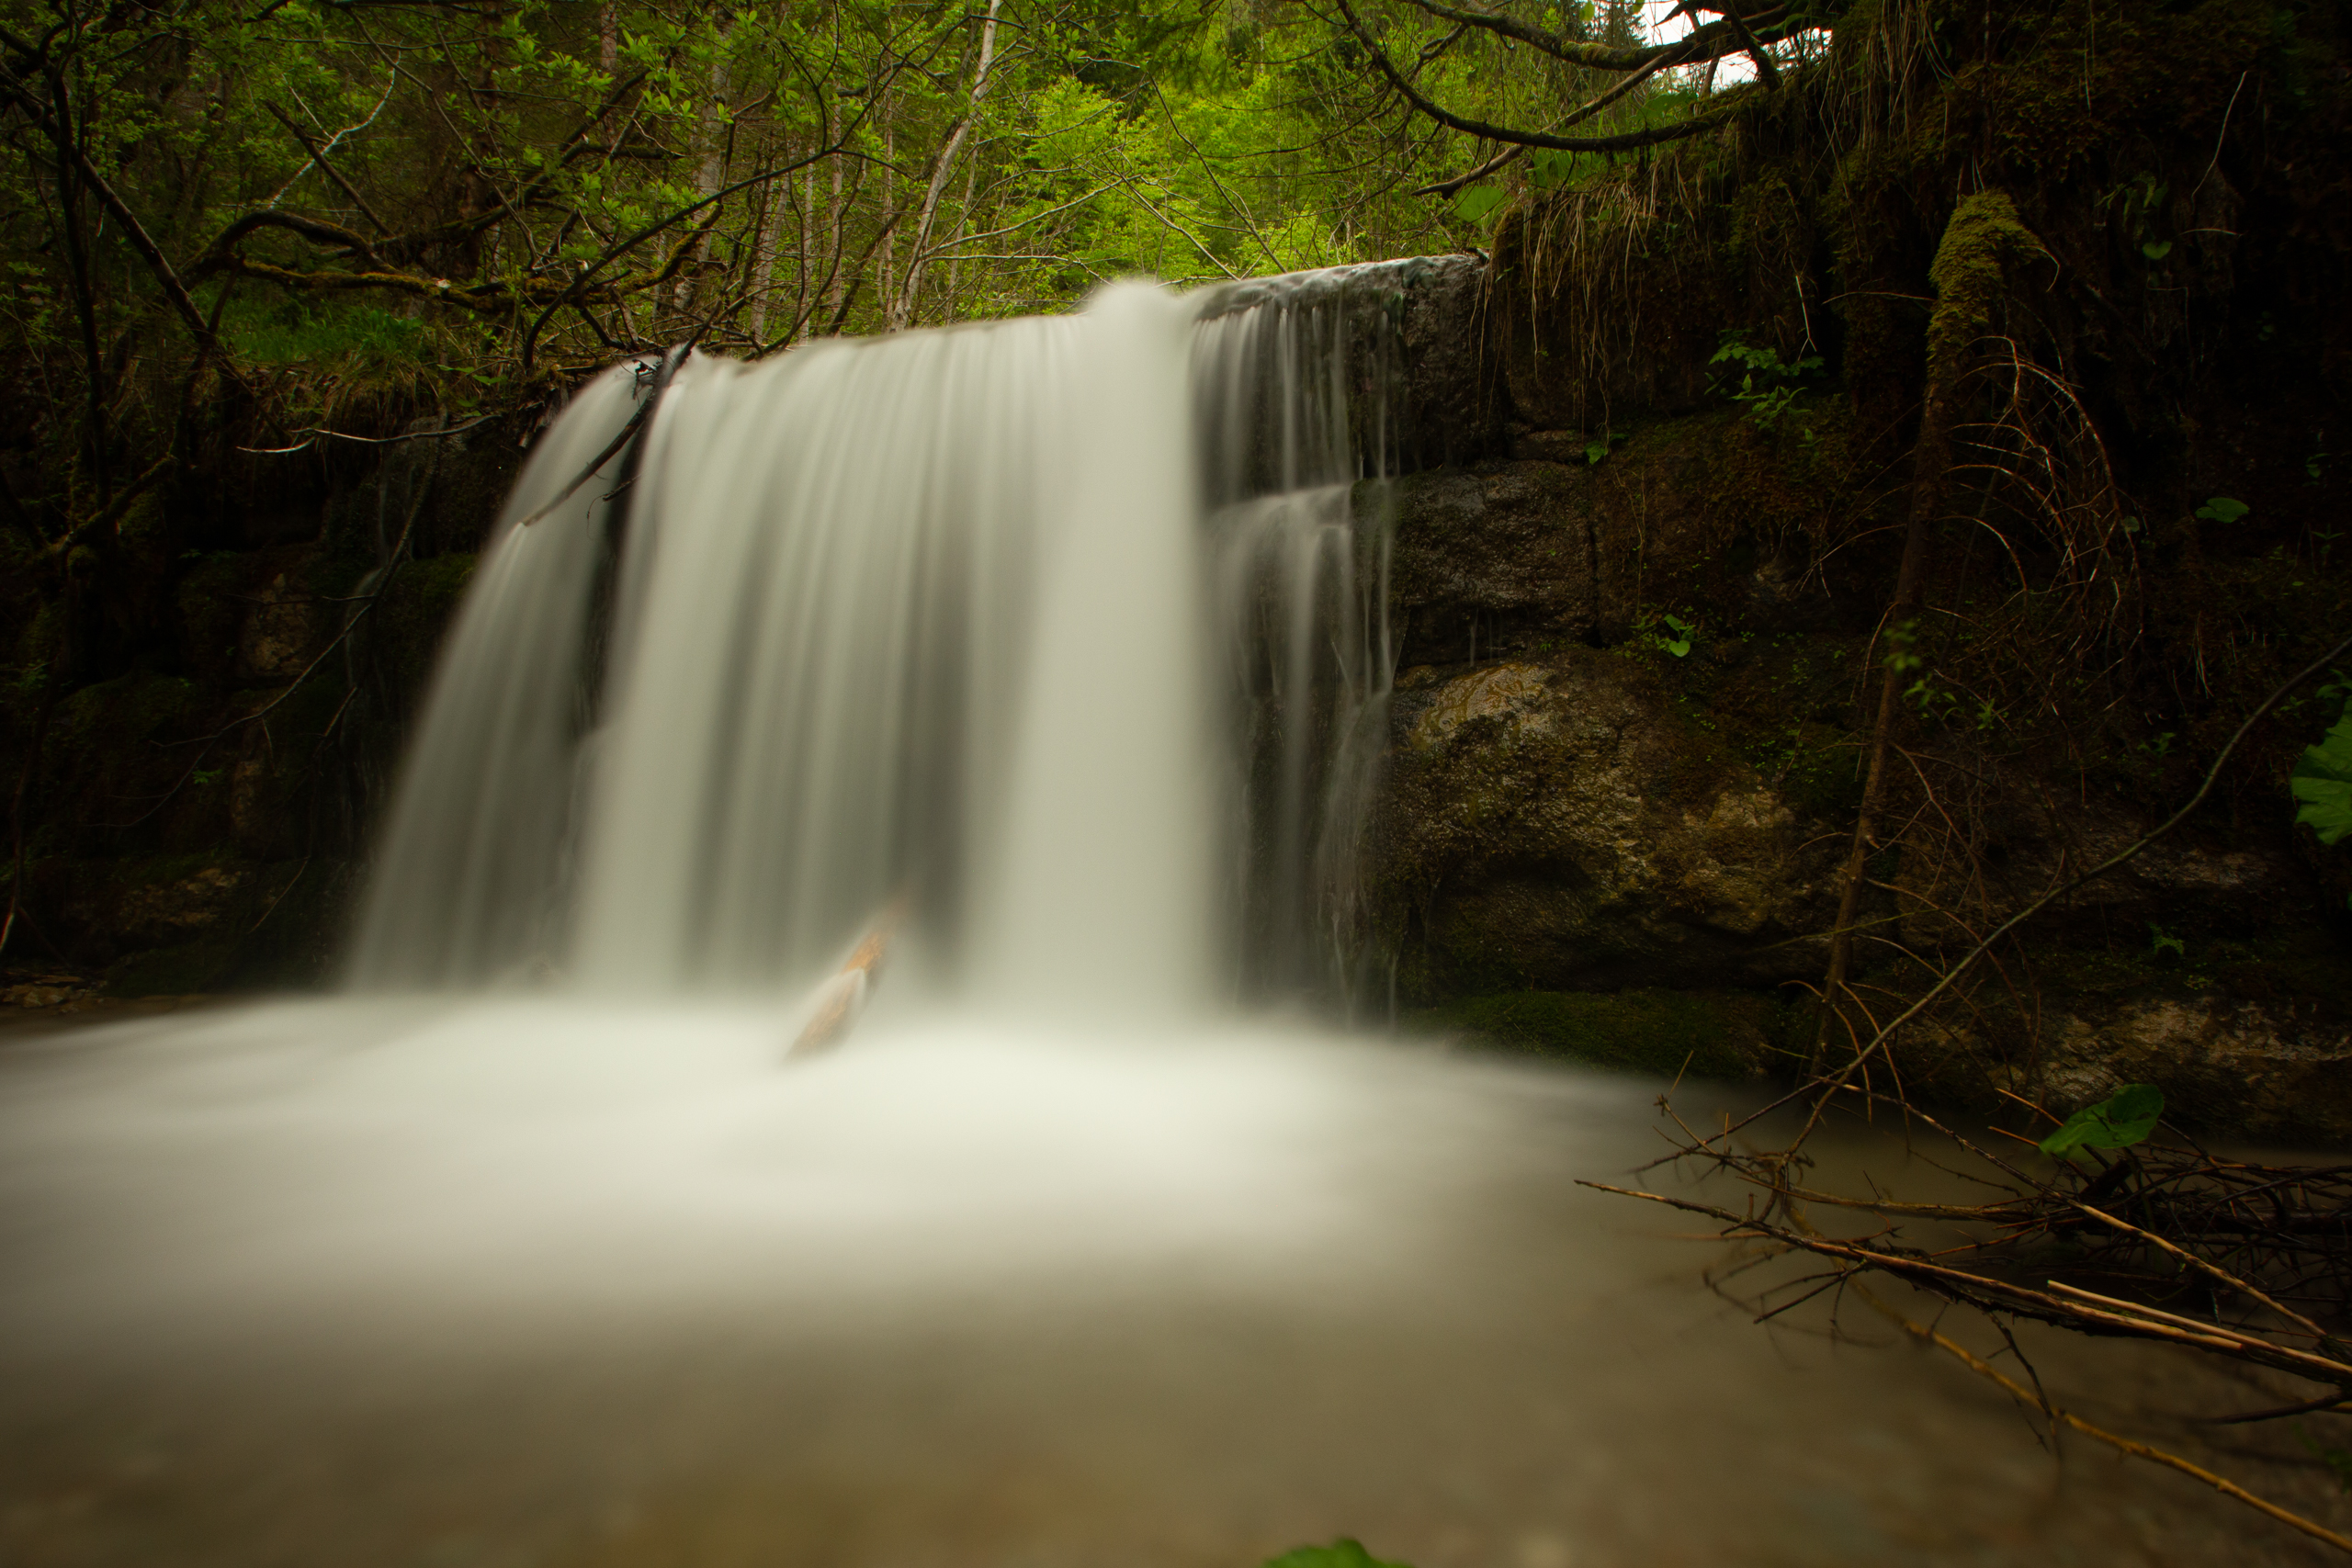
<point>1058,650</point>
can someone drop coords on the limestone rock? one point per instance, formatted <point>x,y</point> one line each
<point>1559,824</point>
<point>158,913</point>
<point>1513,554</point>
<point>2275,1071</point>
<point>280,631</point>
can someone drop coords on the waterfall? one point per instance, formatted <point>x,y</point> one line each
<point>947,623</point>
<point>1293,384</point>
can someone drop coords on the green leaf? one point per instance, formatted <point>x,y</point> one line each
<point>2221,509</point>
<point>1340,1554</point>
<point>2322,783</point>
<point>1595,450</point>
<point>1679,648</point>
<point>1473,204</point>
<point>2122,1119</point>
<point>2156,250</point>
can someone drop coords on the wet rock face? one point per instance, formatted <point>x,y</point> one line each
<point>1454,400</point>
<point>2244,1067</point>
<point>1557,825</point>
<point>1572,813</point>
<point>160,913</point>
<point>194,820</point>
<point>1424,391</point>
<point>1508,554</point>
<point>2280,1071</point>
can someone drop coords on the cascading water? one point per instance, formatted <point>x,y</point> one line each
<point>1291,384</point>
<point>914,621</point>
<point>1029,629</point>
<point>919,622</point>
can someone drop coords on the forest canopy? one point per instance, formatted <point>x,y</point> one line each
<point>409,201</point>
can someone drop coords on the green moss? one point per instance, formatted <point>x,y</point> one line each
<point>188,970</point>
<point>1982,241</point>
<point>1716,1035</point>
<point>131,710</point>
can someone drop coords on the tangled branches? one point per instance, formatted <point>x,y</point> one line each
<point>2166,1244</point>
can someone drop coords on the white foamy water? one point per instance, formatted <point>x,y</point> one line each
<point>540,1154</point>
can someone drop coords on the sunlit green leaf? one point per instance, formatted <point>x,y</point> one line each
<point>2122,1119</point>
<point>1473,204</point>
<point>1340,1554</point>
<point>2322,783</point>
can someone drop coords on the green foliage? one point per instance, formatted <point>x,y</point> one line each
<point>1476,204</point>
<point>1930,698</point>
<point>1665,633</point>
<point>2223,509</point>
<point>2322,783</point>
<point>1768,383</point>
<point>378,205</point>
<point>298,331</point>
<point>1344,1552</point>
<point>2140,203</point>
<point>2122,1119</point>
<point>2161,941</point>
<point>1549,168</point>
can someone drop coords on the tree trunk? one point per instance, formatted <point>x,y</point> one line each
<point>902,309</point>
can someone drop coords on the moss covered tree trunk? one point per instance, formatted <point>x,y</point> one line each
<point>1981,239</point>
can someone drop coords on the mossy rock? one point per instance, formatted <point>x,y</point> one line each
<point>187,970</point>
<point>1663,1033</point>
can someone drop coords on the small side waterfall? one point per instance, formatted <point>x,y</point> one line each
<point>1294,386</point>
<point>469,883</point>
<point>931,622</point>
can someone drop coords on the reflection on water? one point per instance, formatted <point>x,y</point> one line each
<point>554,1283</point>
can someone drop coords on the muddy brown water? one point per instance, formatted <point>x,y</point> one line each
<point>568,1287</point>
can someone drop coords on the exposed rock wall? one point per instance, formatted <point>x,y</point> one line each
<point>1643,634</point>
<point>206,723</point>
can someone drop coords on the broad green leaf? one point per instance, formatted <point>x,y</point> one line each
<point>1340,1554</point>
<point>1473,204</point>
<point>1678,648</point>
<point>2122,1119</point>
<point>2322,782</point>
<point>2221,509</point>
<point>2156,250</point>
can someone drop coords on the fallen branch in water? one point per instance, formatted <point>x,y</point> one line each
<point>2038,1402</point>
<point>2059,1303</point>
